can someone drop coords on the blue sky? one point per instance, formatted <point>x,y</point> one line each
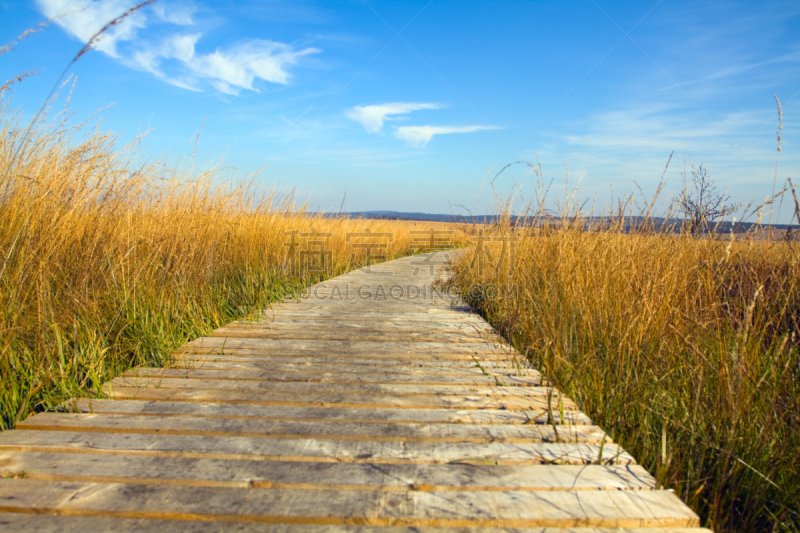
<point>409,106</point>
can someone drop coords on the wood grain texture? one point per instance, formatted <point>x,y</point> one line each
<point>57,524</point>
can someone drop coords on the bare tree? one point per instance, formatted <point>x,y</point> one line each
<point>705,205</point>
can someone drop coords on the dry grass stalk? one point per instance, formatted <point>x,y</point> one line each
<point>685,348</point>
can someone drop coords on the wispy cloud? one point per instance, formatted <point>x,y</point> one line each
<point>373,116</point>
<point>174,13</point>
<point>663,127</point>
<point>229,70</point>
<point>239,66</point>
<point>634,142</point>
<point>87,17</point>
<point>737,69</point>
<point>419,136</point>
<point>175,59</point>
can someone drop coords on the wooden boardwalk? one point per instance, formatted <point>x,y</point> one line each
<point>374,406</point>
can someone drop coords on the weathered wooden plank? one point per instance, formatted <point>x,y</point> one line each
<point>376,306</point>
<point>398,321</point>
<point>350,374</point>
<point>352,351</point>
<point>56,524</point>
<point>352,414</point>
<point>384,355</point>
<point>321,476</point>
<point>349,295</point>
<point>378,326</point>
<point>365,290</point>
<point>414,508</point>
<point>358,319</point>
<point>317,450</point>
<point>445,308</point>
<point>351,336</point>
<point>435,306</point>
<point>428,298</point>
<point>343,368</point>
<point>354,347</point>
<point>322,399</point>
<point>355,317</point>
<point>478,378</point>
<point>268,360</point>
<point>381,358</point>
<point>343,388</point>
<point>314,429</point>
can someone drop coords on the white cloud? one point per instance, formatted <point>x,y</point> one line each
<point>240,65</point>
<point>175,60</point>
<point>179,47</point>
<point>175,14</point>
<point>662,128</point>
<point>634,142</point>
<point>372,116</point>
<point>86,18</point>
<point>419,136</point>
<point>228,69</point>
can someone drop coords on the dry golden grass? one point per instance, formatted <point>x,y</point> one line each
<point>686,350</point>
<point>106,265</point>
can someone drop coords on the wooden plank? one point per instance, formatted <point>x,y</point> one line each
<point>325,316</point>
<point>322,476</point>
<point>316,450</point>
<point>351,336</point>
<point>266,358</point>
<point>353,414</point>
<point>307,320</point>
<point>57,524</point>
<point>414,508</point>
<point>352,351</point>
<point>344,388</point>
<point>428,301</point>
<point>395,326</point>
<point>267,372</point>
<point>257,370</point>
<point>384,356</point>
<point>353,347</point>
<point>314,429</point>
<point>441,308</point>
<point>361,294</point>
<point>503,380</point>
<point>375,306</point>
<point>322,399</point>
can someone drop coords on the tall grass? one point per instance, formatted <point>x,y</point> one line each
<point>685,349</point>
<point>106,264</point>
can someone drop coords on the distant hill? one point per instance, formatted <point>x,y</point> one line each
<point>399,215</point>
<point>630,222</point>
